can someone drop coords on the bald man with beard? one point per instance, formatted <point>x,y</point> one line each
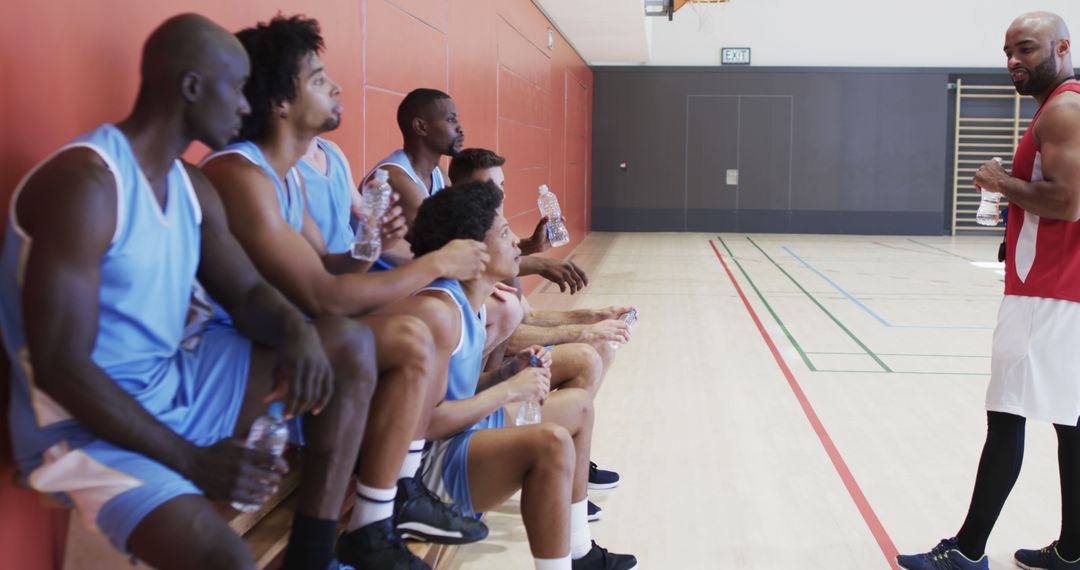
<point>1034,360</point>
<point>108,412</point>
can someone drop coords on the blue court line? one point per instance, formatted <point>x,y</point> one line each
<point>869,311</point>
<point>860,304</point>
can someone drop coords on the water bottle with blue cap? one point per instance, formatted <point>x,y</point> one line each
<point>529,412</point>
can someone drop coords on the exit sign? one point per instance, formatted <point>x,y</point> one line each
<point>735,56</point>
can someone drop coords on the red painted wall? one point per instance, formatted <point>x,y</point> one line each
<point>514,95</point>
<point>69,66</point>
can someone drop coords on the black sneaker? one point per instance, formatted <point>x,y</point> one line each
<point>376,547</point>
<point>600,479</point>
<point>600,559</point>
<point>420,515</point>
<point>594,512</point>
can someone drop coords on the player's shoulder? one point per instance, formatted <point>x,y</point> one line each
<point>1059,119</point>
<point>77,172</point>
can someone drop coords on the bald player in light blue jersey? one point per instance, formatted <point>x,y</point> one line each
<point>108,412</point>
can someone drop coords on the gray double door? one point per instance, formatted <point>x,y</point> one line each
<point>738,162</point>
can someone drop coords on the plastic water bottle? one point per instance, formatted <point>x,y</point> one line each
<point>549,206</point>
<point>269,433</point>
<point>529,412</point>
<point>989,213</point>
<point>367,245</point>
<point>630,319</point>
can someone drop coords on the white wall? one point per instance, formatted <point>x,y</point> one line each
<point>863,33</point>
<point>603,30</point>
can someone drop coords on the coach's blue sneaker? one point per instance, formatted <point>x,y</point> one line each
<point>335,565</point>
<point>945,556</point>
<point>1045,558</point>
<point>602,479</point>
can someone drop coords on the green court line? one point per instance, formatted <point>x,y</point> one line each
<point>802,354</point>
<point>900,354</point>
<point>880,362</point>
<point>907,372</point>
<point>940,249</point>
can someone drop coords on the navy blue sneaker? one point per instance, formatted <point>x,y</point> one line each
<point>594,512</point>
<point>601,479</point>
<point>945,556</point>
<point>600,559</point>
<point>336,565</point>
<point>420,515</point>
<point>376,545</point>
<point>1045,559</point>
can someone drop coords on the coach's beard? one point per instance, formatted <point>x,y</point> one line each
<point>1039,79</point>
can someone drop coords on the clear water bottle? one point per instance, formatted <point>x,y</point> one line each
<point>549,206</point>
<point>989,213</point>
<point>529,412</point>
<point>374,201</point>
<point>269,433</point>
<point>630,319</point>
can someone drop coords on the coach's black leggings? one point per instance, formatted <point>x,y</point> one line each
<point>999,467</point>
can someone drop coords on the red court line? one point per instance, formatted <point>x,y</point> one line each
<point>884,542</point>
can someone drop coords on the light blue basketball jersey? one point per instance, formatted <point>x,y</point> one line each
<point>290,197</point>
<point>398,159</point>
<point>329,197</point>
<point>468,358</point>
<point>147,274</point>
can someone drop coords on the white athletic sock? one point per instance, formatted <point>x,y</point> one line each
<point>412,460</point>
<point>372,504</point>
<point>580,535</point>
<point>553,563</point>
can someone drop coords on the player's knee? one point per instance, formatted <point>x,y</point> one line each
<point>226,555</point>
<point>605,351</point>
<point>350,346</point>
<point>411,345</point>
<point>207,547</point>
<point>554,448</point>
<point>343,337</point>
<point>593,360</point>
<point>514,313</point>
<point>589,366</point>
<point>503,318</point>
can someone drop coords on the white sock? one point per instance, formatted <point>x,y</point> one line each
<point>412,460</point>
<point>552,563</point>
<point>580,536</point>
<point>373,504</point>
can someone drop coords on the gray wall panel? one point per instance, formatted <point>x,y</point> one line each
<point>869,143</point>
<point>712,145</point>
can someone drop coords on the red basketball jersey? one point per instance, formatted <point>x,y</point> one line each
<point>1043,256</point>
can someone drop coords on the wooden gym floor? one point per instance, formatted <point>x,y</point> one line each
<point>793,401</point>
